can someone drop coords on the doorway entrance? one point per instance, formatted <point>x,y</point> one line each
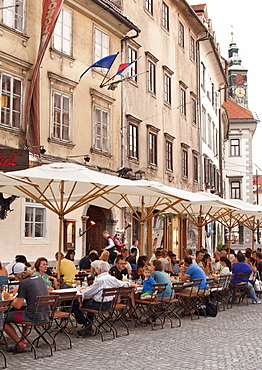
<point>94,238</point>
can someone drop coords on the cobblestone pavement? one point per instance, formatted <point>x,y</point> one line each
<point>229,341</point>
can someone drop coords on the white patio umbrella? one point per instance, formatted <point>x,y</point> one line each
<point>64,187</point>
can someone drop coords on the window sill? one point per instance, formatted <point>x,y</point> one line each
<point>61,54</point>
<point>133,160</point>
<point>167,104</point>
<point>152,167</point>
<point>14,32</point>
<point>97,151</point>
<point>13,130</point>
<point>60,142</point>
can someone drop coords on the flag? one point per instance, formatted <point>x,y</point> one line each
<point>105,62</point>
<point>124,68</point>
<point>50,13</point>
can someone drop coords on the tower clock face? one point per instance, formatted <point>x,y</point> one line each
<point>240,92</point>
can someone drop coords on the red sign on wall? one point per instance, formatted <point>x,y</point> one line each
<point>13,159</point>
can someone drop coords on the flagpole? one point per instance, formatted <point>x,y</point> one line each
<point>107,82</point>
<point>123,79</point>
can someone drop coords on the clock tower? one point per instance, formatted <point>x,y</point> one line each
<point>237,74</point>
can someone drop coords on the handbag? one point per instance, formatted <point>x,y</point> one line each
<point>258,285</point>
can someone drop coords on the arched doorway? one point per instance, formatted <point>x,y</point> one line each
<point>103,220</point>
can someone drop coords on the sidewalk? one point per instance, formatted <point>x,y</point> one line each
<point>228,341</point>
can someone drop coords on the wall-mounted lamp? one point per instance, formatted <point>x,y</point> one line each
<point>42,149</point>
<point>81,232</point>
<point>86,157</point>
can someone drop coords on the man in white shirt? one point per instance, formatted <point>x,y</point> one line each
<point>92,297</point>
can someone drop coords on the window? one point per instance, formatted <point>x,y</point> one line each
<point>149,6</point>
<point>61,117</point>
<point>209,128</point>
<point>169,155</point>
<point>203,76</point>
<point>235,147</point>
<point>192,50</point>
<point>194,110</point>
<point>207,165</point>
<point>132,55</point>
<point>13,16</point>
<point>182,101</point>
<point>11,101</point>
<point>165,16</point>
<point>101,46</point>
<point>181,35</point>
<point>101,129</point>
<point>151,77</point>
<point>184,163</point>
<point>63,32</point>
<point>153,148</point>
<point>133,141</point>
<point>195,168</point>
<point>69,235</point>
<point>235,189</point>
<point>35,220</point>
<point>167,87</point>
<point>204,124</point>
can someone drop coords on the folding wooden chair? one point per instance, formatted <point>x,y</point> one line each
<point>4,310</point>
<point>188,298</point>
<point>122,308</point>
<point>172,304</point>
<point>102,319</point>
<point>44,305</point>
<point>152,310</point>
<point>63,316</point>
<point>240,291</point>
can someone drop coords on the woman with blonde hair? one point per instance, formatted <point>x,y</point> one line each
<point>104,257</point>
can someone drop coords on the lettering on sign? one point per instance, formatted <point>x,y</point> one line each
<point>13,159</point>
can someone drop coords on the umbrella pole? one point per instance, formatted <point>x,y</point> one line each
<point>61,223</point>
<point>142,224</point>
<point>253,241</point>
<point>199,235</point>
<point>229,243</point>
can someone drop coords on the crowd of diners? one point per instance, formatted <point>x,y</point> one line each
<point>123,268</point>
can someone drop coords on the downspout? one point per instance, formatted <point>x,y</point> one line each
<point>199,105</point>
<point>122,153</point>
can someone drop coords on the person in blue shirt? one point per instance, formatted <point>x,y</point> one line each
<point>161,277</point>
<point>241,267</point>
<point>192,272</point>
<point>148,282</point>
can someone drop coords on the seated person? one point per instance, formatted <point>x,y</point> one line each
<point>29,288</point>
<point>192,272</point>
<point>68,269</point>
<point>132,258</point>
<point>104,257</point>
<point>3,275</point>
<point>226,268</point>
<point>242,267</point>
<point>148,282</point>
<point>119,269</point>
<point>92,297</point>
<point>173,266</point>
<point>161,277</point>
<point>206,264</point>
<point>41,266</point>
<point>141,262</point>
<point>85,262</point>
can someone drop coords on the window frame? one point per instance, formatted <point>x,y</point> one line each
<point>236,189</point>
<point>133,141</point>
<point>165,16</point>
<point>104,133</point>
<point>167,88</point>
<point>184,163</point>
<point>132,56</point>
<point>62,37</point>
<point>103,46</point>
<point>9,95</point>
<point>235,149</point>
<point>149,6</point>
<point>14,13</point>
<point>151,80</point>
<point>183,101</point>
<point>192,48</point>
<point>63,97</point>
<point>30,203</point>
<point>193,110</point>
<point>169,155</point>
<point>152,148</point>
<point>181,34</point>
<point>195,168</point>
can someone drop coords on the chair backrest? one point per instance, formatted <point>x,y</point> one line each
<point>5,305</point>
<point>66,301</point>
<point>159,288</point>
<point>197,282</point>
<point>242,278</point>
<point>4,280</point>
<point>45,308</point>
<point>125,292</point>
<point>109,293</point>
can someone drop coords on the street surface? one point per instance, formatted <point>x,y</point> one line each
<point>230,341</point>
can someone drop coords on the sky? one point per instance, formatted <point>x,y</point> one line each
<point>245,17</point>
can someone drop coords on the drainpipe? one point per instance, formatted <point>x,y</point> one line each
<point>122,163</point>
<point>199,105</point>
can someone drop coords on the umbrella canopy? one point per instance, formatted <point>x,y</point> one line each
<point>9,182</point>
